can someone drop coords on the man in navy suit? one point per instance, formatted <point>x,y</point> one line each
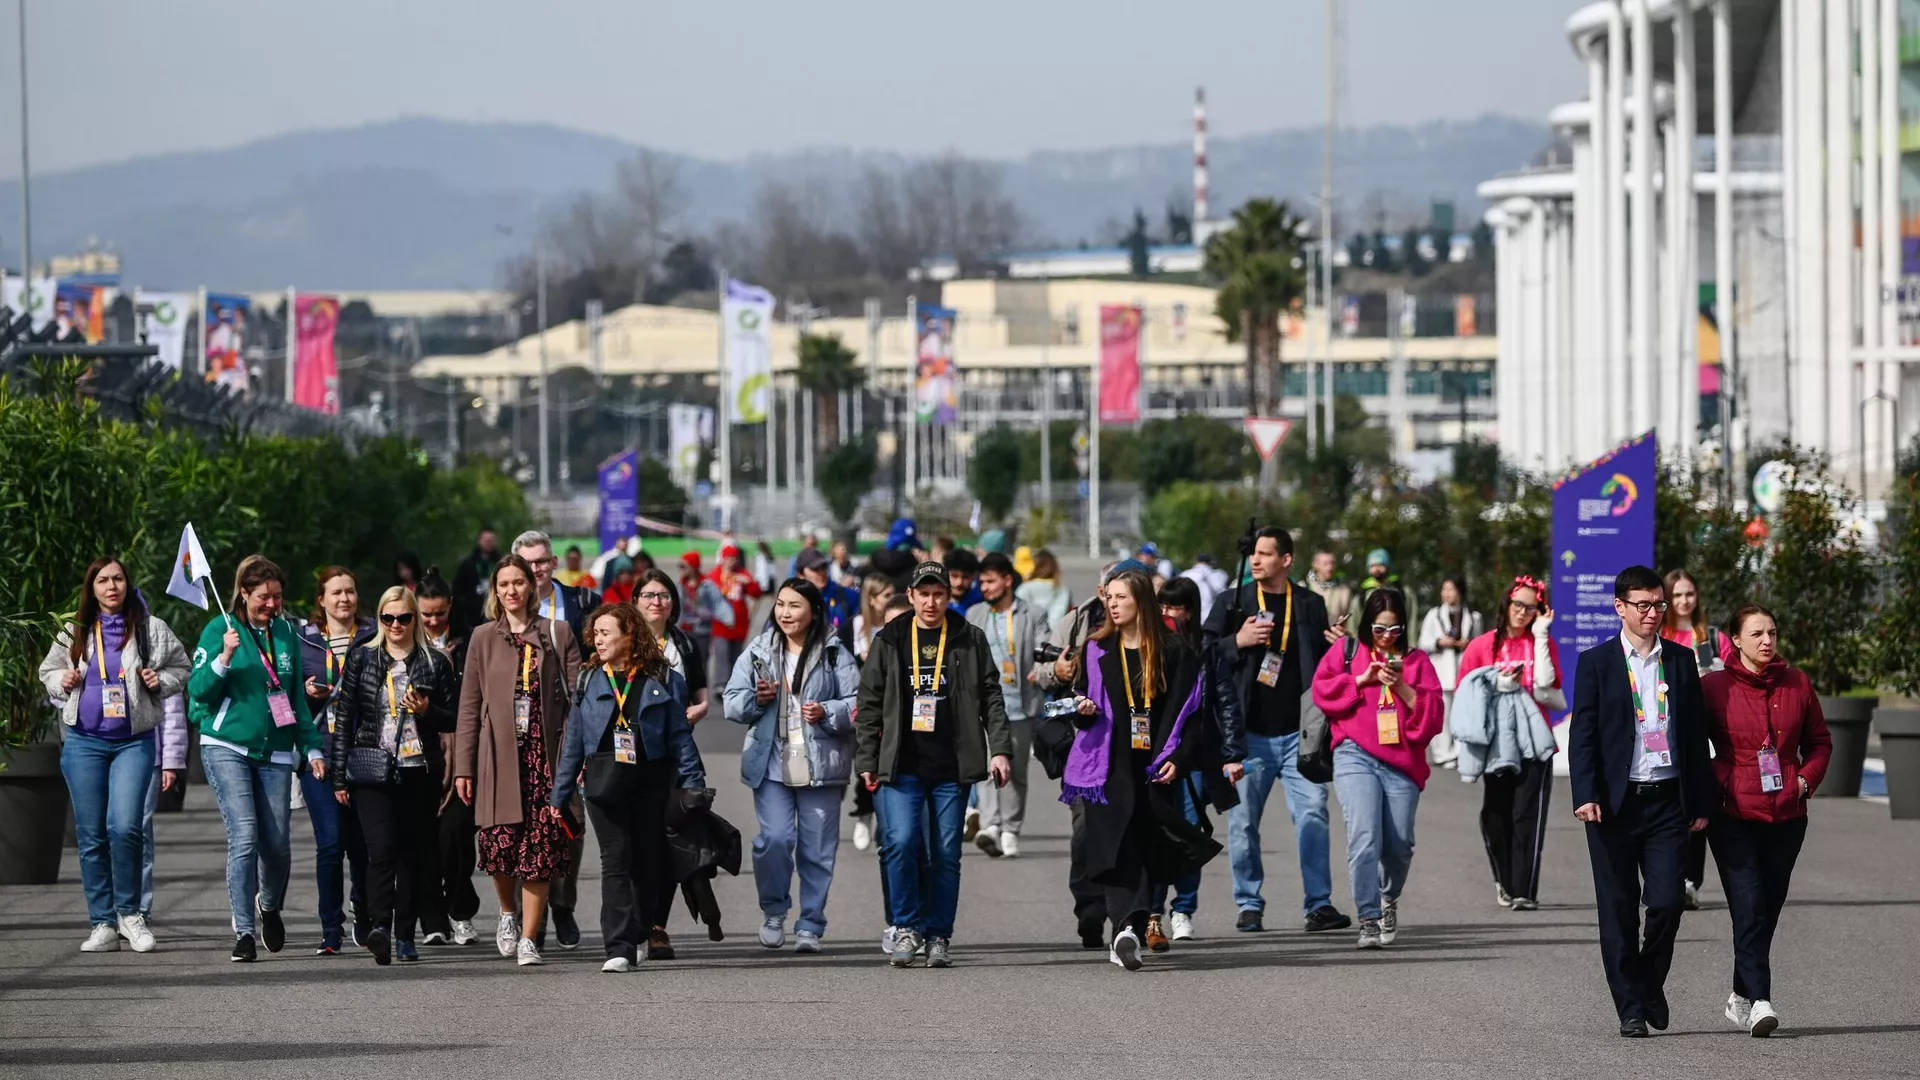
<point>1637,751</point>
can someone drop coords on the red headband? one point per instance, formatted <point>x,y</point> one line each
<point>1525,582</point>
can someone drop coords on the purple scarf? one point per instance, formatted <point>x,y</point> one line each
<point>1087,762</point>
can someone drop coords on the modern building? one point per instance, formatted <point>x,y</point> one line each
<point>1721,245</point>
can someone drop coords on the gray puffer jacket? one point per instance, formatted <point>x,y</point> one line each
<point>168,660</point>
<point>831,679</point>
<point>1497,731</point>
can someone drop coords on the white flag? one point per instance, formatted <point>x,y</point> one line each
<point>166,323</point>
<point>192,574</point>
<point>746,326</point>
<point>14,293</point>
<point>689,429</point>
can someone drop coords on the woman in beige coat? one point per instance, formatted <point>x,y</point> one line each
<point>513,709</point>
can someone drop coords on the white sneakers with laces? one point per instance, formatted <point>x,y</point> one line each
<point>464,933</point>
<point>104,938</point>
<point>134,929</point>
<point>529,953</point>
<point>506,934</point>
<point>1762,1020</point>
<point>1739,1010</point>
<point>1126,950</point>
<point>1182,924</point>
<point>615,965</point>
<point>773,932</point>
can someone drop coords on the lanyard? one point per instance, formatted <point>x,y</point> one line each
<point>393,700</point>
<point>1286,629</point>
<point>100,654</point>
<point>336,660</point>
<point>1639,708</point>
<point>267,656</point>
<point>1126,679</point>
<point>526,667</point>
<point>1386,692</point>
<point>939,661</point>
<point>619,694</point>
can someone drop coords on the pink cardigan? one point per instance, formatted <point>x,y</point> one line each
<point>1353,715</point>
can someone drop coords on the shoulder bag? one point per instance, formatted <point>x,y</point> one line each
<point>1316,732</point>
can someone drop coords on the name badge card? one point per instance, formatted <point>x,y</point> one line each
<point>1771,779</point>
<point>1142,729</point>
<point>1270,668</point>
<point>624,750</point>
<point>113,702</point>
<point>280,707</point>
<point>522,716</point>
<point>925,708</point>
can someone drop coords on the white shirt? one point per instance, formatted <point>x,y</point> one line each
<point>553,607</point>
<point>1646,671</point>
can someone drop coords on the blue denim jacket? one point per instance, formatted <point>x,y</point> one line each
<point>656,715</point>
<point>831,679</point>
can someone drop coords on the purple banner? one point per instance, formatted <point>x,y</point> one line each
<point>619,497</point>
<point>1602,524</point>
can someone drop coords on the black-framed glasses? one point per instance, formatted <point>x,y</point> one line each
<point>404,618</point>
<point>1646,607</point>
<point>654,597</point>
<point>1520,605</point>
<point>1388,631</point>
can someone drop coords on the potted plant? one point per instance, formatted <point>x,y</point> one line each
<point>33,794</point>
<point>1897,641</point>
<point>1819,582</point>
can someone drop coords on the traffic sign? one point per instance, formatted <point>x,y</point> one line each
<point>1268,432</point>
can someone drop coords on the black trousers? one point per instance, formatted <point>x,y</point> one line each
<point>1089,897</point>
<point>1128,904</point>
<point>1513,823</point>
<point>459,900</point>
<point>633,841</point>
<point>564,894</point>
<point>1756,864</point>
<point>1697,857</point>
<point>1639,856</point>
<point>403,851</point>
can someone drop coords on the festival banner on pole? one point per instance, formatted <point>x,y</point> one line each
<point>936,382</point>
<point>316,370</point>
<point>1119,364</point>
<point>1602,524</point>
<point>746,323</point>
<point>1466,321</point>
<point>81,309</point>
<point>223,337</point>
<point>36,300</point>
<point>689,431</point>
<point>164,317</point>
<point>619,498</point>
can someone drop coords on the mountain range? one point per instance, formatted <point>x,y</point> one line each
<point>421,203</point>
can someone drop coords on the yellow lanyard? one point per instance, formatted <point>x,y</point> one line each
<point>939,661</point>
<point>393,700</point>
<point>1009,630</point>
<point>100,654</point>
<point>619,694</point>
<point>526,668</point>
<point>1286,628</point>
<point>1126,679</point>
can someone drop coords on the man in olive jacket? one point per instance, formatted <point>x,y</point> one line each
<point>930,723</point>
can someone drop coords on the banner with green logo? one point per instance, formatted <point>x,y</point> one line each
<point>746,324</point>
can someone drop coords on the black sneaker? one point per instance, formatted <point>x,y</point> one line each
<point>1249,922</point>
<point>273,932</point>
<point>1326,917</point>
<point>565,928</point>
<point>243,949</point>
<point>361,927</point>
<point>1093,933</point>
<point>381,947</point>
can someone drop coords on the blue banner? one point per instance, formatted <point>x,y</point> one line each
<point>1602,524</point>
<point>619,498</point>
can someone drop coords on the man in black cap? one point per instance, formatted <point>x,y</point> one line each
<point>930,724</point>
<point>843,603</point>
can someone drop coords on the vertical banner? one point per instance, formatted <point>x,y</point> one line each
<point>35,298</point>
<point>746,326</point>
<point>316,370</point>
<point>1409,315</point>
<point>936,382</point>
<point>164,320</point>
<point>1466,323</point>
<point>1602,524</point>
<point>1119,364</point>
<point>1179,322</point>
<point>689,430</point>
<point>81,309</point>
<point>223,336</point>
<point>1349,316</point>
<point>619,498</point>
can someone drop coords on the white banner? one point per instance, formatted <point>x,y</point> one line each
<point>166,323</point>
<point>13,293</point>
<point>746,322</point>
<point>689,430</point>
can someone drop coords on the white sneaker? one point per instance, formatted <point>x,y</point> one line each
<point>464,933</point>
<point>529,953</point>
<point>862,832</point>
<point>1182,926</point>
<point>614,965</point>
<point>1009,845</point>
<point>1740,1011</point>
<point>887,938</point>
<point>104,938</point>
<point>970,828</point>
<point>1501,897</point>
<point>1762,1020</point>
<point>806,941</point>
<point>773,932</point>
<point>134,929</point>
<point>1125,951</point>
<point>988,840</point>
<point>507,933</point>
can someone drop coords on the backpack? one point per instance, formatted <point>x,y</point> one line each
<point>1316,733</point>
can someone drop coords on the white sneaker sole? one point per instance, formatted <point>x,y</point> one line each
<point>1126,953</point>
<point>1764,1026</point>
<point>111,946</point>
<point>619,965</point>
<point>803,947</point>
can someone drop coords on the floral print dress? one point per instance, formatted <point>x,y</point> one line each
<point>536,848</point>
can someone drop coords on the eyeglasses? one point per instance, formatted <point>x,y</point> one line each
<point>1518,605</point>
<point>1388,631</point>
<point>1646,607</point>
<point>543,564</point>
<point>405,618</point>
<point>654,597</point>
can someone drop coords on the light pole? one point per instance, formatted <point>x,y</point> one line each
<point>26,173</point>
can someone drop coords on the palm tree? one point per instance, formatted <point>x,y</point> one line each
<point>828,368</point>
<point>1262,276</point>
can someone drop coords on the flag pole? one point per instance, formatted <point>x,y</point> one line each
<point>725,416</point>
<point>215,593</point>
<point>293,339</point>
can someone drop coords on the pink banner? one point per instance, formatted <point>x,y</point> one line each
<point>316,375</point>
<point>1119,364</point>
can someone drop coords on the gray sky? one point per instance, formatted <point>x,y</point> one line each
<point>112,79</point>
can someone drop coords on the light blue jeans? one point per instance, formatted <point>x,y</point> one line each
<point>1377,803</point>
<point>1271,758</point>
<point>802,822</point>
<point>107,781</point>
<point>255,799</point>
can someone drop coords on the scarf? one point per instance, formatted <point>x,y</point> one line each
<point>1088,761</point>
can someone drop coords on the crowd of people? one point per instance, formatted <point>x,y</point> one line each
<point>481,724</point>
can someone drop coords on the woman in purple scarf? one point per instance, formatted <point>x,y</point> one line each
<point>1141,694</point>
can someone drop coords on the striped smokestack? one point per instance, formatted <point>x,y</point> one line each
<point>1199,155</point>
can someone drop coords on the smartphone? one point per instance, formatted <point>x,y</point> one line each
<point>575,830</point>
<point>1396,663</point>
<point>1263,617</point>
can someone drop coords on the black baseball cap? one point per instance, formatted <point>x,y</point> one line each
<point>928,573</point>
<point>811,559</point>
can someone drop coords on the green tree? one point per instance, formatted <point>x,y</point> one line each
<point>1410,257</point>
<point>1818,582</point>
<point>845,475</point>
<point>1896,657</point>
<point>1191,447</point>
<point>1257,264</point>
<point>1329,476</point>
<point>1139,247</point>
<point>1187,518</point>
<point>993,472</point>
<point>828,367</point>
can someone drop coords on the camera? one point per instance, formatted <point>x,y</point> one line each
<point>1046,654</point>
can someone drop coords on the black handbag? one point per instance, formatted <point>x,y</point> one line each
<point>371,766</point>
<point>610,783</point>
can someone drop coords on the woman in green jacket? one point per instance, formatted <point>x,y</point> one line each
<point>255,728</point>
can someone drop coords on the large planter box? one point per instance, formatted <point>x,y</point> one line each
<point>1900,749</point>
<point>1849,719</point>
<point>33,815</point>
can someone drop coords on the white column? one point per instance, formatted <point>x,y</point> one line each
<point>1507,316</point>
<point>1614,172</point>
<point>1867,134</point>
<point>1842,385</point>
<point>1642,302</point>
<point>1808,238</point>
<point>1533,405</point>
<point>1723,297</point>
<point>1682,202</point>
<point>1888,138</point>
<point>1551,389</point>
<point>1591,222</point>
<point>1790,184</point>
<point>1666,247</point>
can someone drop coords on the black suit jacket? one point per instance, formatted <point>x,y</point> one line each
<point>580,603</point>
<point>1601,732</point>
<point>1309,636</point>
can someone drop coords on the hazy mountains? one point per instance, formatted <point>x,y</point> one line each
<point>421,203</point>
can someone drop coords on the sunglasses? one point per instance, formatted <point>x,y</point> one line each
<point>1388,631</point>
<point>405,618</point>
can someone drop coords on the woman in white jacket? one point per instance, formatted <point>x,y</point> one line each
<point>1444,635</point>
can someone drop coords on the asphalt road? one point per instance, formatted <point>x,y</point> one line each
<point>1470,990</point>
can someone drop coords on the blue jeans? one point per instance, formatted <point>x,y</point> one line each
<point>107,781</point>
<point>336,836</point>
<point>255,798</point>
<point>1377,803</point>
<point>1186,889</point>
<point>1270,758</point>
<point>802,821</point>
<point>912,813</point>
<point>146,847</point>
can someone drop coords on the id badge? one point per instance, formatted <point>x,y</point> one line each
<point>1653,741</point>
<point>522,716</point>
<point>624,751</point>
<point>1270,668</point>
<point>113,702</point>
<point>411,748</point>
<point>1142,729</point>
<point>1006,673</point>
<point>280,707</point>
<point>1771,779</point>
<point>924,710</point>
<point>1389,725</point>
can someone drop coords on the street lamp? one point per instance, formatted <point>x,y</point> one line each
<point>1878,395</point>
<point>540,317</point>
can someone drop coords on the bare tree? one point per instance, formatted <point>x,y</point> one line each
<point>961,206</point>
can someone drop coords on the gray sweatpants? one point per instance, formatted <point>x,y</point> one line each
<point>1005,808</point>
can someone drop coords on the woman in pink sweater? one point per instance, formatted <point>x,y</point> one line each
<point>1384,705</point>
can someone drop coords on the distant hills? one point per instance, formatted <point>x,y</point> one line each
<point>419,203</point>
